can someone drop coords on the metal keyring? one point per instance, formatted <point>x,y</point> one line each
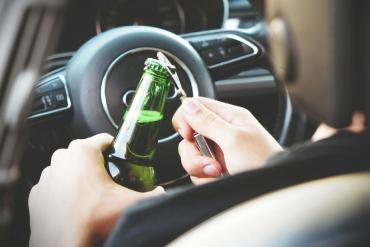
<point>171,69</point>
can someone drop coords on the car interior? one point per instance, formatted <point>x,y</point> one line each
<point>69,69</point>
<point>237,78</point>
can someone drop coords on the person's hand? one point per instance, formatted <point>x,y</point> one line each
<point>325,131</point>
<point>241,142</point>
<point>76,203</point>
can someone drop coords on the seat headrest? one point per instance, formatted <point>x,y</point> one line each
<point>320,49</point>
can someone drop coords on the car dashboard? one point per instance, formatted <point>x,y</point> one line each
<point>181,17</point>
<point>177,16</point>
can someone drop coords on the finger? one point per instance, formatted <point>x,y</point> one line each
<point>204,121</point>
<point>195,164</point>
<point>31,197</point>
<point>159,190</point>
<point>33,192</point>
<point>200,181</point>
<point>358,122</point>
<point>100,141</point>
<point>181,126</point>
<point>230,113</point>
<point>58,157</point>
<point>322,132</point>
<point>44,173</point>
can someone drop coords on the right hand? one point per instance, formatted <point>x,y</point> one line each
<point>241,142</point>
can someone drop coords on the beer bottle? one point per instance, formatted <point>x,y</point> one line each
<point>129,159</point>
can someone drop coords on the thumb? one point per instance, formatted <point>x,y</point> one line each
<point>100,141</point>
<point>204,121</point>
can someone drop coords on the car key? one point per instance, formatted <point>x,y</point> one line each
<point>199,139</point>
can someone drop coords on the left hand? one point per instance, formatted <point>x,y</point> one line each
<point>76,203</point>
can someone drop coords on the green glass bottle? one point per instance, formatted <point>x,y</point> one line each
<point>129,158</point>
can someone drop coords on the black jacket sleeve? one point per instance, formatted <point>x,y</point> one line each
<point>158,221</point>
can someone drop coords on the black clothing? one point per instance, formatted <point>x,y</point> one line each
<point>158,221</point>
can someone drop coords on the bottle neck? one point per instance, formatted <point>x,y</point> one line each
<point>151,96</point>
<point>158,77</point>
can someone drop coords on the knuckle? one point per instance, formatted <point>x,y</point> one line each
<point>233,137</point>
<point>106,136</point>
<point>243,116</point>
<point>208,118</point>
<point>247,117</point>
<point>82,145</point>
<point>44,173</point>
<point>58,155</point>
<point>75,144</point>
<point>245,112</point>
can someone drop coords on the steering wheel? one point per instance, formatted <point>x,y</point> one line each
<point>98,82</point>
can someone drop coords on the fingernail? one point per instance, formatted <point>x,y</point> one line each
<point>211,170</point>
<point>191,107</point>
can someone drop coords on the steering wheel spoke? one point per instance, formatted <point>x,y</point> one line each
<point>51,97</point>
<point>227,52</point>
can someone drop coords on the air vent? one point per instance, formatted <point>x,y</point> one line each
<point>57,61</point>
<point>242,14</point>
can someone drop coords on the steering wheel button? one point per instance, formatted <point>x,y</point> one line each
<point>200,45</point>
<point>205,44</point>
<point>43,89</point>
<point>235,50</point>
<point>60,97</point>
<point>211,56</point>
<point>247,49</point>
<point>222,52</point>
<point>49,86</point>
<point>57,84</point>
<point>48,102</point>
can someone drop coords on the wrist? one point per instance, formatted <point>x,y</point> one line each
<point>110,205</point>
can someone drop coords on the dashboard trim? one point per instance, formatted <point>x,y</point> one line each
<point>257,83</point>
<point>181,13</point>
<point>226,12</point>
<point>178,6</point>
